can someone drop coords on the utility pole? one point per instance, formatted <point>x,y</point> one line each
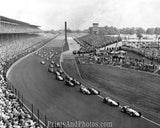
<point>65,32</point>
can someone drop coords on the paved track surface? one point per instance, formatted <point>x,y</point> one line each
<point>62,103</point>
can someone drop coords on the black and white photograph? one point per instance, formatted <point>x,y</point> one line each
<point>79,63</point>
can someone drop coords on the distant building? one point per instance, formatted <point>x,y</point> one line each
<point>94,30</point>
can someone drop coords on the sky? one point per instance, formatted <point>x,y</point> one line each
<point>80,14</point>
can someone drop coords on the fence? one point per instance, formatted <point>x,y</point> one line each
<point>35,112</point>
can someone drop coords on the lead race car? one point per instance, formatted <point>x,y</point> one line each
<point>130,111</point>
<point>43,62</point>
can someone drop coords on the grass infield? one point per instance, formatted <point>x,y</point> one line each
<point>138,88</point>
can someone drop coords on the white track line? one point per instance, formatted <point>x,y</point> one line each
<point>100,96</point>
<point>150,121</point>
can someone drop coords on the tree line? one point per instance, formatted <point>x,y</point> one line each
<point>115,31</point>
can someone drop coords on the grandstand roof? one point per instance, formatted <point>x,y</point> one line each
<point>5,19</point>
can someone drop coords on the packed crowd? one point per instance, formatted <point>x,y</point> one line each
<point>89,53</point>
<point>12,112</point>
<point>98,40</point>
<point>16,29</point>
<point>149,52</point>
<point>12,49</point>
<point>118,58</point>
<point>89,43</point>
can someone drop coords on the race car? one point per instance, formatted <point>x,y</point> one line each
<point>50,57</point>
<point>50,70</point>
<point>130,111</point>
<point>68,78</point>
<point>69,83</point>
<point>36,53</point>
<point>57,65</point>
<point>47,59</point>
<point>52,62</point>
<point>84,90</point>
<point>57,73</point>
<point>110,102</point>
<point>51,66</point>
<point>76,82</point>
<point>59,77</point>
<point>43,62</point>
<point>94,91</point>
<point>60,71</point>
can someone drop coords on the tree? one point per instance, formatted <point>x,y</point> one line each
<point>157,31</point>
<point>69,30</point>
<point>110,30</point>
<point>129,31</point>
<point>139,32</point>
<point>139,35</point>
<point>150,31</point>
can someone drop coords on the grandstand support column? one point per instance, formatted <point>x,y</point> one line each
<point>12,37</point>
<point>16,36</point>
<point>65,32</point>
<point>0,38</point>
<point>7,37</point>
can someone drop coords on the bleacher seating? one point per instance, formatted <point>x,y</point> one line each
<point>16,39</point>
<point>98,40</point>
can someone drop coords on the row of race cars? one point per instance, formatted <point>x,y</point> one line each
<point>55,68</point>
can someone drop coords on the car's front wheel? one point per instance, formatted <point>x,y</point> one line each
<point>131,114</point>
<point>122,110</point>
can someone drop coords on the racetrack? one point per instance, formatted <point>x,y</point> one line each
<point>59,102</point>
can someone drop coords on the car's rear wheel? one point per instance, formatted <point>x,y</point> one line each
<point>104,101</point>
<point>140,114</point>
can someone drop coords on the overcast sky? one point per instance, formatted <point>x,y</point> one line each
<point>51,14</point>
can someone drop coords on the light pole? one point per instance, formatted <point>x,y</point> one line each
<point>65,32</point>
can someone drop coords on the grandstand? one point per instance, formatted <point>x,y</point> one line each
<point>90,42</point>
<point>16,36</point>
<point>98,40</point>
<point>8,25</point>
<point>17,39</point>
